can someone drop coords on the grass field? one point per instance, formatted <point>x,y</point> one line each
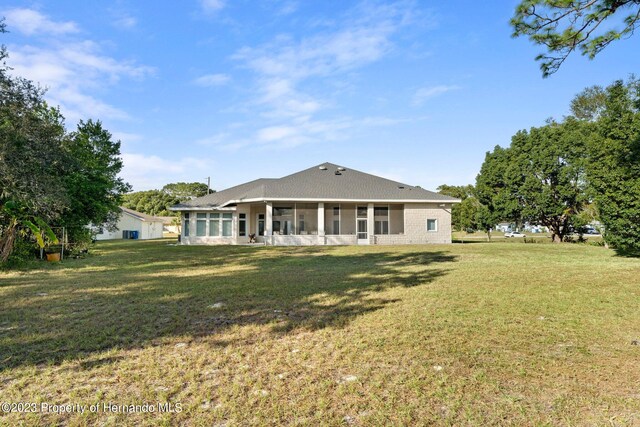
<point>500,334</point>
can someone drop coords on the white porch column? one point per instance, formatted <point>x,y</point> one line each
<point>321,219</point>
<point>370,220</point>
<point>268,218</point>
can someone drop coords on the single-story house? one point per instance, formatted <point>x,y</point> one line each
<point>132,225</point>
<point>504,227</point>
<point>323,205</point>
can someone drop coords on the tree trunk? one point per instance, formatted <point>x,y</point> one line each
<point>7,240</point>
<point>489,235</point>
<point>557,235</point>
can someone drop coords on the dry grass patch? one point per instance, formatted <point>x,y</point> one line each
<point>453,335</point>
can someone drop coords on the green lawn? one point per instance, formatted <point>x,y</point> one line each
<point>500,333</point>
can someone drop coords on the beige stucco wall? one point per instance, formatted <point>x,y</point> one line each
<point>408,225</point>
<point>396,219</point>
<point>415,225</point>
<point>348,219</point>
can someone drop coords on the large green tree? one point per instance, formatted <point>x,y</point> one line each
<point>157,202</point>
<point>564,26</point>
<point>92,183</point>
<point>494,189</point>
<point>614,167</point>
<point>462,214</point>
<point>31,159</point>
<point>540,178</point>
<point>152,202</point>
<point>47,175</point>
<point>552,187</point>
<point>186,190</point>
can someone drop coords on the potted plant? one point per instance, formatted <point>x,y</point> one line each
<point>53,253</point>
<point>46,238</point>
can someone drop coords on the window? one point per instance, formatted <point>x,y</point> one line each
<point>381,227</point>
<point>381,220</point>
<point>282,220</point>
<point>201,224</point>
<point>381,211</point>
<point>242,224</point>
<point>260,224</point>
<point>227,219</point>
<point>186,225</point>
<point>432,225</point>
<point>362,211</point>
<point>214,224</point>
<point>301,223</point>
<point>282,211</point>
<point>336,220</point>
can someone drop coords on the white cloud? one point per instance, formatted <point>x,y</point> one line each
<point>287,8</point>
<point>212,80</point>
<point>286,67</point>
<point>126,138</point>
<point>73,72</point>
<point>210,6</point>
<point>126,22</point>
<point>303,130</point>
<point>320,55</point>
<point>277,133</point>
<point>32,22</point>
<point>216,139</point>
<point>425,93</point>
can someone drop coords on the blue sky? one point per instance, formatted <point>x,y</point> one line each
<point>415,91</point>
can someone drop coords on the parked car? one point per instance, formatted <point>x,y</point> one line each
<point>514,234</point>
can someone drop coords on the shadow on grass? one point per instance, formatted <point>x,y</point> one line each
<point>134,294</point>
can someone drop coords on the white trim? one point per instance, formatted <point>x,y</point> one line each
<point>427,225</point>
<point>404,219</point>
<point>358,239</point>
<point>198,208</point>
<point>306,199</point>
<point>264,225</point>
<point>312,200</point>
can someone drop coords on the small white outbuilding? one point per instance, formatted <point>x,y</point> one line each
<point>133,225</point>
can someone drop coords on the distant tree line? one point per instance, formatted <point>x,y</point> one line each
<point>566,174</point>
<point>157,202</point>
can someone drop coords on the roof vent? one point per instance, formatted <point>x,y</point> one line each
<point>401,187</point>
<point>338,172</point>
<point>341,169</point>
<point>323,168</point>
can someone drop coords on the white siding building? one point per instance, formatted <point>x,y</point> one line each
<point>133,225</point>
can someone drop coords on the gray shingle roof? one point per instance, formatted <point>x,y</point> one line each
<point>140,215</point>
<point>318,183</point>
